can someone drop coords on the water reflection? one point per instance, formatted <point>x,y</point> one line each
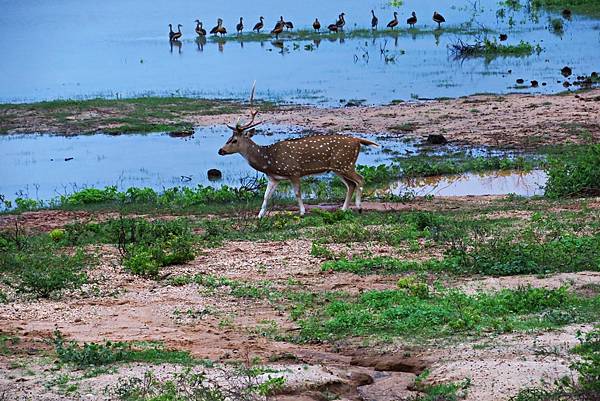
<point>175,43</point>
<point>488,183</point>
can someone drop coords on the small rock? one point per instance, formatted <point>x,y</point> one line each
<point>503,37</point>
<point>566,84</point>
<point>534,84</point>
<point>436,139</point>
<point>566,71</point>
<point>214,174</point>
<point>520,81</point>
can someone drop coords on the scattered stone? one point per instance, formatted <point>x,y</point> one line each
<point>566,71</point>
<point>68,159</point>
<point>520,81</point>
<point>436,139</point>
<point>214,174</point>
<point>543,84</point>
<point>503,37</point>
<point>566,84</point>
<point>534,84</point>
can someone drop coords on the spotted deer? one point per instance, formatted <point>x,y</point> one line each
<point>293,159</point>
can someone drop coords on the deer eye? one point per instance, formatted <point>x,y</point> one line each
<point>234,141</point>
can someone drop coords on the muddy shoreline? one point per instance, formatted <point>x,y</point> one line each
<point>522,121</point>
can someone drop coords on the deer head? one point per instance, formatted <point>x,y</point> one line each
<point>242,132</point>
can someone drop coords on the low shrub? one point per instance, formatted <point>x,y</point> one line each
<point>447,311</point>
<point>574,172</point>
<point>95,354</point>
<point>35,265</point>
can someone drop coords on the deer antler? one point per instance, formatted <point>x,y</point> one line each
<point>253,114</point>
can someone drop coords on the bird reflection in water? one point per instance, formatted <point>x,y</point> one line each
<point>200,42</point>
<point>175,43</point>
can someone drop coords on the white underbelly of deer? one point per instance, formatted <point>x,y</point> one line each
<point>296,158</point>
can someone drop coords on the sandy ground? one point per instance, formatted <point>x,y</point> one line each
<point>519,121</point>
<point>221,327</point>
<point>515,120</point>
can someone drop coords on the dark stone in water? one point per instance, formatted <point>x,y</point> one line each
<point>534,84</point>
<point>520,81</point>
<point>214,174</point>
<point>543,84</point>
<point>510,71</point>
<point>181,134</point>
<point>436,139</point>
<point>503,37</point>
<point>566,84</point>
<point>68,159</point>
<point>566,71</point>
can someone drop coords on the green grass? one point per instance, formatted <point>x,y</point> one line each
<point>498,256</point>
<point>490,49</point>
<point>444,312</point>
<point>575,172</point>
<point>590,8</point>
<point>95,354</point>
<point>38,267</point>
<point>116,116</point>
<point>358,33</point>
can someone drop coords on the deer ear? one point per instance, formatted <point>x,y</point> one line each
<point>250,133</point>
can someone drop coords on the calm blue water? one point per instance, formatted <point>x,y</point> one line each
<point>84,48</point>
<point>34,166</point>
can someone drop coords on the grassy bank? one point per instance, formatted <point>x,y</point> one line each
<point>114,116</point>
<point>359,33</point>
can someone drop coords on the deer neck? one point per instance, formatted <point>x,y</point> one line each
<point>257,156</point>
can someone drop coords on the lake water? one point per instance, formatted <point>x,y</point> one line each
<point>110,48</point>
<point>45,166</point>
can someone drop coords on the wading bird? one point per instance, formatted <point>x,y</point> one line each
<point>177,35</point>
<point>341,22</point>
<point>295,158</point>
<point>374,20</point>
<point>240,26</point>
<point>393,22</point>
<point>278,27</point>
<point>333,27</point>
<point>412,20</point>
<point>317,25</point>
<point>199,29</point>
<point>215,30</point>
<point>438,18</point>
<point>171,33</point>
<point>289,25</point>
<point>259,25</point>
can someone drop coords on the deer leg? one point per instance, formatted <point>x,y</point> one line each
<point>271,185</point>
<point>298,192</point>
<point>360,183</point>
<point>350,186</point>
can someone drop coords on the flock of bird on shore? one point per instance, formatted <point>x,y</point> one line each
<point>282,25</point>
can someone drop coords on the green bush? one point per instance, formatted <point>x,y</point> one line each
<point>43,273</point>
<point>400,312</point>
<point>94,354</point>
<point>141,261</point>
<point>57,235</point>
<point>575,172</point>
<point>145,245</point>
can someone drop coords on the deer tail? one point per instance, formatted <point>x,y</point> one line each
<point>367,142</point>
